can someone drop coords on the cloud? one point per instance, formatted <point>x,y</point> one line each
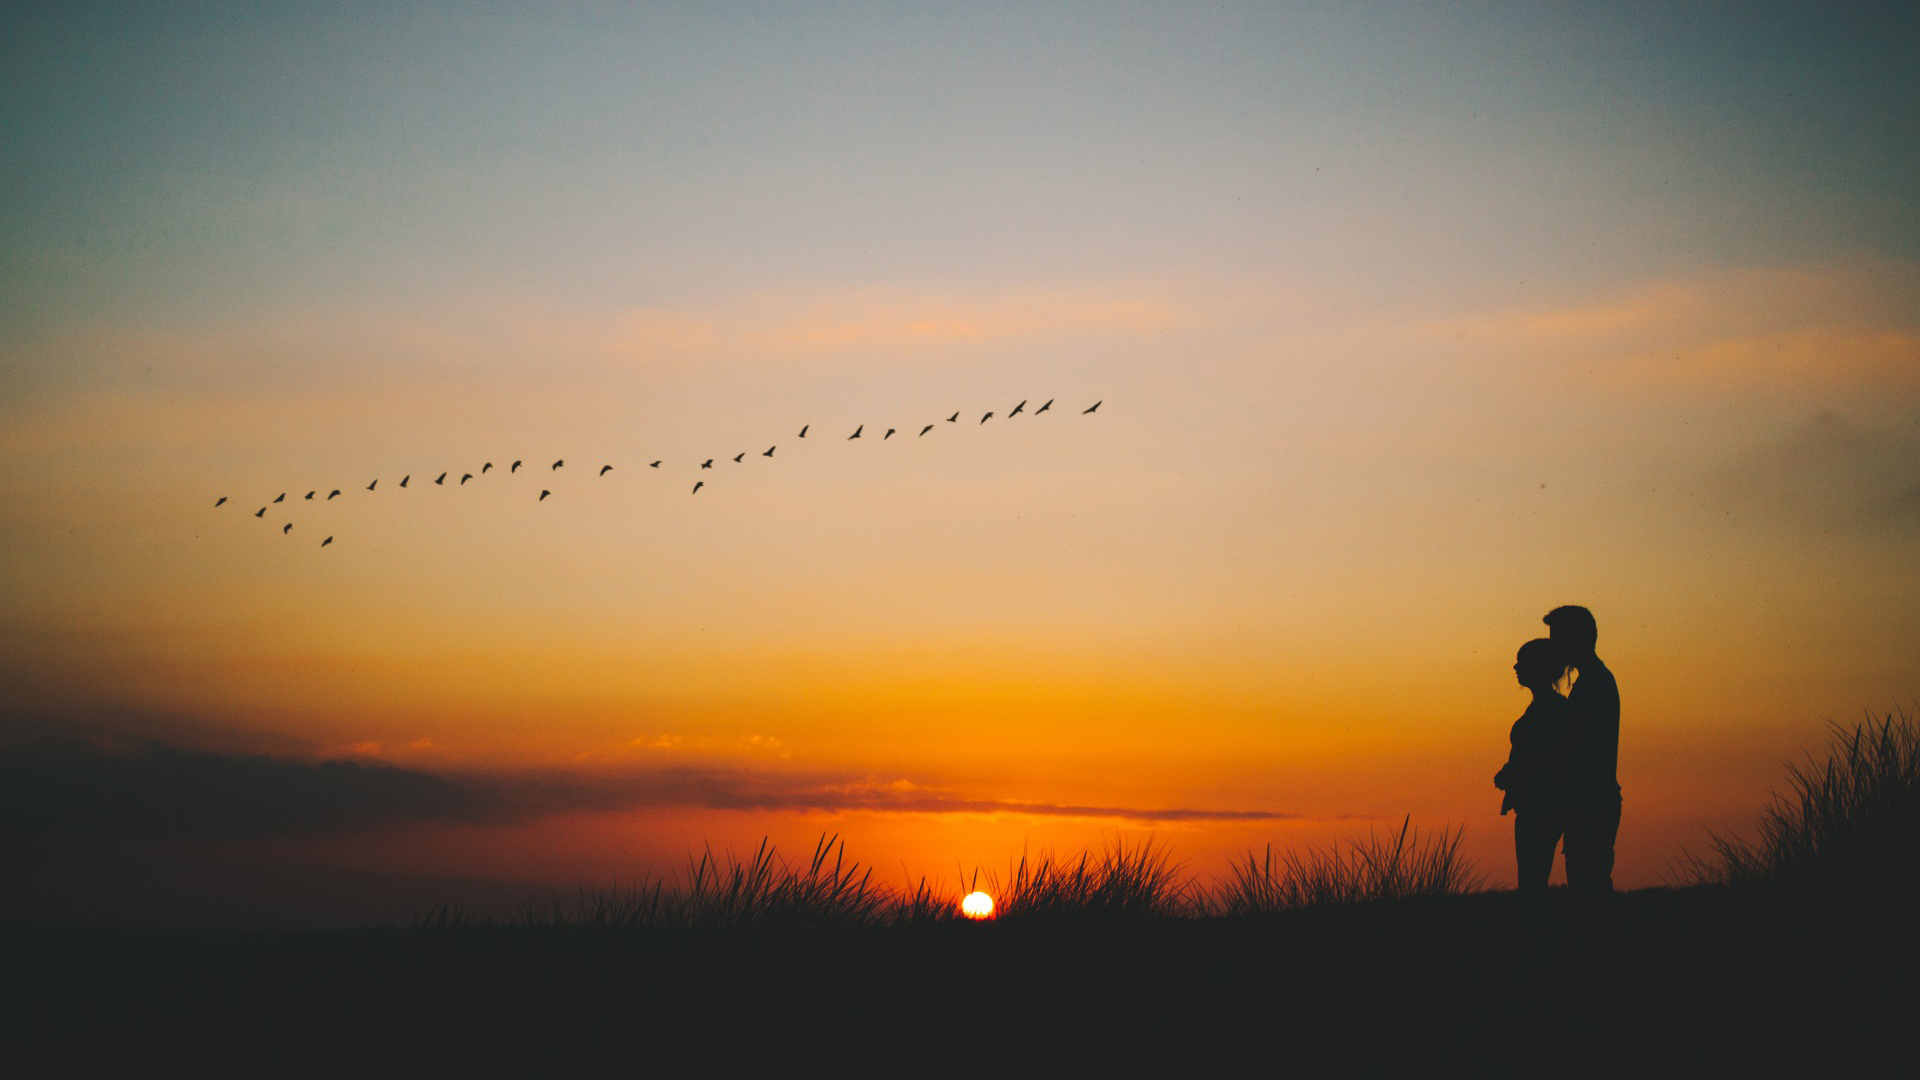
<point>144,789</point>
<point>81,786</point>
<point>1782,329</point>
<point>1826,471</point>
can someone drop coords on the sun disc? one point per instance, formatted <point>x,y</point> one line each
<point>977,905</point>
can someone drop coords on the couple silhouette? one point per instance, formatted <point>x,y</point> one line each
<point>1561,779</point>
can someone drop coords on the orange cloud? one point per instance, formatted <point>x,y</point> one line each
<point>1834,325</point>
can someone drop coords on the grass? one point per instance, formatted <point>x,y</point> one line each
<point>1121,882</point>
<point>1124,881</point>
<point>1397,867</point>
<point>761,891</point>
<point>1850,823</point>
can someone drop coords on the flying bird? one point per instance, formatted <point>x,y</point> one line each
<point>559,463</point>
<point>986,418</point>
<point>926,429</point>
<point>464,477</point>
<point>887,436</point>
<point>954,419</point>
<point>768,452</point>
<point>332,493</point>
<point>404,479</point>
<point>543,495</point>
<point>310,494</point>
<point>485,468</point>
<point>697,485</point>
<point>222,502</point>
<point>375,481</point>
<point>605,469</point>
<point>1091,407</point>
<point>287,528</point>
<point>739,455</point>
<point>260,513</point>
<point>327,541</point>
<point>1017,409</point>
<point>280,497</point>
<point>653,465</point>
<point>516,467</point>
<point>441,479</point>
<point>1044,408</point>
<point>857,431</point>
<point>707,464</point>
<point>803,430</point>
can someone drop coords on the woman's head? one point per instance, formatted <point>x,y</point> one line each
<point>1539,665</point>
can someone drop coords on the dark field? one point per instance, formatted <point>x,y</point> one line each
<point>1667,981</point>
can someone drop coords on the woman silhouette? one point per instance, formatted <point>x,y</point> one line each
<point>1536,774</point>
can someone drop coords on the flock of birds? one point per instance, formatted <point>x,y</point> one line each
<point>858,432</point>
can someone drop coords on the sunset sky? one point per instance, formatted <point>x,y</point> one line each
<point>1409,322</point>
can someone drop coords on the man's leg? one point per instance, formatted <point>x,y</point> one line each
<point>1591,833</point>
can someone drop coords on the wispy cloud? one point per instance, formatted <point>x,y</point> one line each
<point>1785,329</point>
<point>109,786</point>
<point>1824,471</point>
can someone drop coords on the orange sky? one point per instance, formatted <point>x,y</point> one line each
<point>1350,451</point>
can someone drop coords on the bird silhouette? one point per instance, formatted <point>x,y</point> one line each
<point>768,452</point>
<point>222,502</point>
<point>260,513</point>
<point>464,477</point>
<point>310,494</point>
<point>1017,409</point>
<point>516,468</point>
<point>441,479</point>
<point>926,429</point>
<point>697,485</point>
<point>543,495</point>
<point>605,469</point>
<point>739,455</point>
<point>559,463</point>
<point>375,481</point>
<point>954,419</point>
<point>857,431</point>
<point>332,493</point>
<point>707,464</point>
<point>1044,408</point>
<point>1091,407</point>
<point>404,479</point>
<point>803,430</point>
<point>986,418</point>
<point>887,436</point>
<point>280,497</point>
<point>484,469</point>
<point>653,465</point>
<point>287,528</point>
<point>327,541</point>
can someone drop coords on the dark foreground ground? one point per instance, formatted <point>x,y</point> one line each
<point>1657,981</point>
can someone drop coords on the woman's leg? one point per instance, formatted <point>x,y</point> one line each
<point>1535,836</point>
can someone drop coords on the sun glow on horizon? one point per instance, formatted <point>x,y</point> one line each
<point>977,906</point>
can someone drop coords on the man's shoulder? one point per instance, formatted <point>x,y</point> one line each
<point>1596,676</point>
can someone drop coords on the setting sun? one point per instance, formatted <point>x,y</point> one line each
<point>977,905</point>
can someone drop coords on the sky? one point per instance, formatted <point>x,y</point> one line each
<point>1408,323</point>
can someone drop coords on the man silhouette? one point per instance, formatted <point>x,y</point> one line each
<point>1593,801</point>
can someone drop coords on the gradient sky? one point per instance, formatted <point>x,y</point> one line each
<point>1411,323</point>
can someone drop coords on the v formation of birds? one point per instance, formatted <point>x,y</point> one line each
<point>560,463</point>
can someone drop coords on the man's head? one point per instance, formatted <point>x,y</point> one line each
<point>1572,631</point>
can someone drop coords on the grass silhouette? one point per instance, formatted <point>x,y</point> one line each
<point>1851,823</point>
<point>1398,867</point>
<point>1124,881</point>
